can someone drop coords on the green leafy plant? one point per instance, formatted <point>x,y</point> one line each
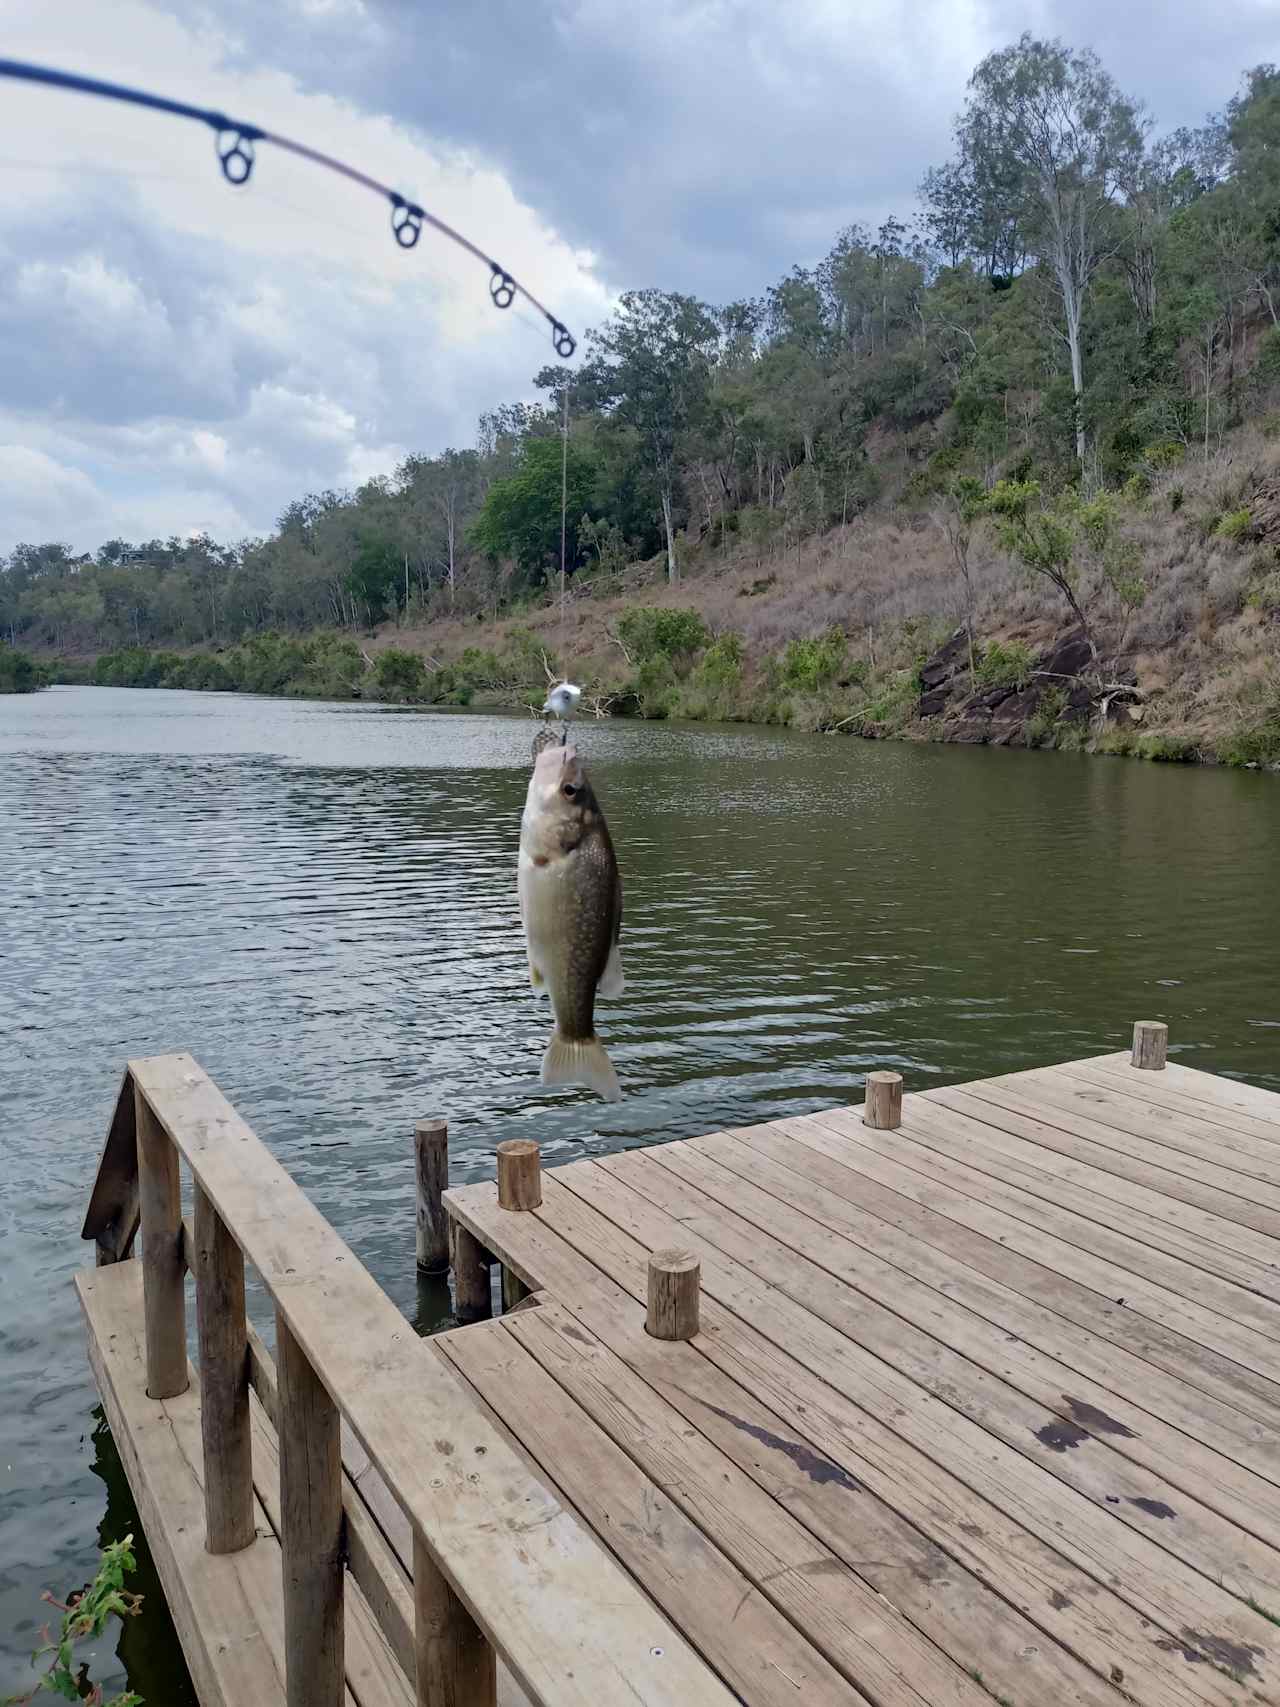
<point>84,1618</point>
<point>1235,524</point>
<point>648,631</point>
<point>1006,666</point>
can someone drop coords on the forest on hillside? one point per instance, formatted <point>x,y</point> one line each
<point>1079,302</point>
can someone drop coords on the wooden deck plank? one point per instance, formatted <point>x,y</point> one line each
<point>1198,1347</point>
<point>1105,1169</point>
<point>1236,1132</point>
<point>978,1157</point>
<point>732,1505</point>
<point>1078,1606</point>
<point>521,1563</point>
<point>1143,1127</point>
<point>1138,1159</point>
<point>1229,1095</point>
<point>741,1627</point>
<point>818,1320</point>
<point>1026,1344</point>
<point>936,1342</point>
<point>1180,1258</point>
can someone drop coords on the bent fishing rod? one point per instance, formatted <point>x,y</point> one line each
<point>235,145</point>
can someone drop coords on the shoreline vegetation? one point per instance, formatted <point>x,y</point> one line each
<point>1008,471</point>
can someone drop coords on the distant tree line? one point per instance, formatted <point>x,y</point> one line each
<point>1077,300</point>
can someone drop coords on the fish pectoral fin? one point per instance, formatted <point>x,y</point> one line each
<point>612,980</point>
<point>580,1061</point>
<point>536,979</point>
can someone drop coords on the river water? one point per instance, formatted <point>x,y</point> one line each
<point>319,902</point>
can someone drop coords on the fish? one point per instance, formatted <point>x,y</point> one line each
<point>570,893</point>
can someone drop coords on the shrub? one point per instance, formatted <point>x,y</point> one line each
<point>814,662</point>
<point>1006,666</point>
<point>1040,727</point>
<point>649,631</point>
<point>1234,525</point>
<point>18,673</point>
<point>400,676</point>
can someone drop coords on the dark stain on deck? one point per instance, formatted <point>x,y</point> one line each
<point>1154,1508</point>
<point>815,1466</point>
<point>1096,1421</point>
<point>1196,1648</point>
<point>1061,1436</point>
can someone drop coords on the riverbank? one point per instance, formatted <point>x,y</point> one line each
<point>19,673</point>
<point>1154,629</point>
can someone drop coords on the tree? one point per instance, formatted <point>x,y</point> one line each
<point>520,517</point>
<point>1049,122</point>
<point>649,368</point>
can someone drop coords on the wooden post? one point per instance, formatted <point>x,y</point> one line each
<point>473,1295</point>
<point>163,1272</point>
<point>514,1290</point>
<point>883,1105</point>
<point>224,1382</point>
<point>519,1174</point>
<point>310,1529</point>
<point>675,1286</point>
<point>456,1666</point>
<point>1150,1043</point>
<point>431,1156</point>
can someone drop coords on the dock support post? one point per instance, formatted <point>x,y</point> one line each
<point>473,1295</point>
<point>675,1287</point>
<point>310,1529</point>
<point>882,1107</point>
<point>224,1382</point>
<point>456,1667</point>
<point>1150,1043</point>
<point>431,1166</point>
<point>163,1271</point>
<point>519,1188</point>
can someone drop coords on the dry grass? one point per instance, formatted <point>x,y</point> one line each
<point>1205,658</point>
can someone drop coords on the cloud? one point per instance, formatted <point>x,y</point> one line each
<point>201,355</point>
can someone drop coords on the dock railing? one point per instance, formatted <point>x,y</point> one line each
<point>499,1565</point>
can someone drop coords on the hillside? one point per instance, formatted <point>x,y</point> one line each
<point>1040,423</point>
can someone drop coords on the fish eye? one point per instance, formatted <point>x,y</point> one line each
<point>569,790</point>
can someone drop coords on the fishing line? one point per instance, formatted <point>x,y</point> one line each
<point>236,144</point>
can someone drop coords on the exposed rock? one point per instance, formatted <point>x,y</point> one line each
<point>999,715</point>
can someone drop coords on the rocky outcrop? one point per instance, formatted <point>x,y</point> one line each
<point>999,716</point>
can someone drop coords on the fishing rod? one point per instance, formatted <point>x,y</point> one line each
<point>235,145</point>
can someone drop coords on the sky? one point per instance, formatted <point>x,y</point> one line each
<point>177,356</point>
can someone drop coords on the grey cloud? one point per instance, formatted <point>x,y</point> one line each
<point>708,147</point>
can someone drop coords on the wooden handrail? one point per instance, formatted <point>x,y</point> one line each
<point>498,1559</point>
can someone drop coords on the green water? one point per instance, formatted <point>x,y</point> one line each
<point>319,902</point>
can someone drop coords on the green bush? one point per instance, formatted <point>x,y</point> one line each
<point>400,676</point>
<point>649,631</point>
<point>1040,727</point>
<point>1006,666</point>
<point>809,664</point>
<point>18,673</point>
<point>1235,524</point>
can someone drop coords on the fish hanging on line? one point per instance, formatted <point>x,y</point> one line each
<point>571,908</point>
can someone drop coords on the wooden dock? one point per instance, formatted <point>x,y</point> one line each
<point>968,1395</point>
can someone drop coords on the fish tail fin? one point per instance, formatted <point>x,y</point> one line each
<point>580,1061</point>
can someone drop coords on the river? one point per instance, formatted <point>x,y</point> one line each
<point>319,902</point>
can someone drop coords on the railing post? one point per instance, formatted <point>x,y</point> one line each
<point>310,1529</point>
<point>431,1159</point>
<point>163,1272</point>
<point>224,1382</point>
<point>882,1107</point>
<point>1150,1043</point>
<point>472,1290</point>
<point>456,1666</point>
